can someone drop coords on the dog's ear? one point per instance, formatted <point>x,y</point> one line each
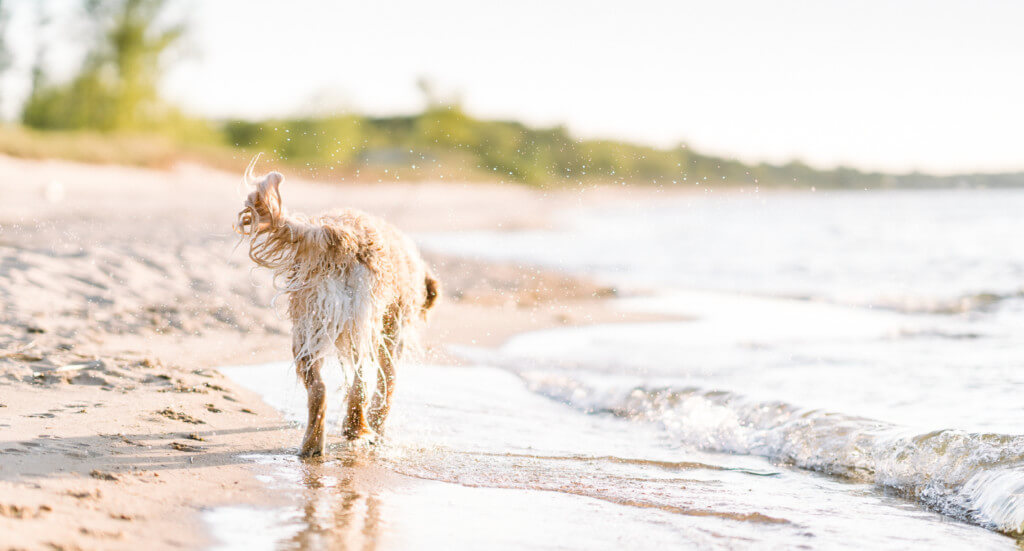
<point>274,180</point>
<point>270,195</point>
<point>271,186</point>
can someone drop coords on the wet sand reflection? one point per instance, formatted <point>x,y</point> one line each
<point>341,508</point>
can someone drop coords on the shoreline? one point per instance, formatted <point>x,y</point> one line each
<point>124,293</point>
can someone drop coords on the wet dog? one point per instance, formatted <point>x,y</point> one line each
<point>356,287</point>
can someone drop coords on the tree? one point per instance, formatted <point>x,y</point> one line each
<point>116,88</point>
<point>5,53</point>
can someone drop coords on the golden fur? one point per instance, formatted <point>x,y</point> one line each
<point>356,287</point>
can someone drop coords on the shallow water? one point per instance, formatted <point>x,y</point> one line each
<point>850,378</point>
<point>913,250</point>
<point>872,335</point>
<point>479,457</point>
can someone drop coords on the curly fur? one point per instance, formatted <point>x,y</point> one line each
<point>356,288</point>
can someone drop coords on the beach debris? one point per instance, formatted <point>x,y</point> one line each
<point>196,437</point>
<point>185,447</point>
<point>103,475</point>
<point>249,411</point>
<point>122,516</point>
<point>179,416</point>
<point>212,408</point>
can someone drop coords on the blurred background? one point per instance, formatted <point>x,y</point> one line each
<point>737,93</point>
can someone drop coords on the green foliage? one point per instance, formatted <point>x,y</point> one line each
<point>5,52</point>
<point>105,148</point>
<point>329,140</point>
<point>444,141</point>
<point>85,102</point>
<point>116,89</point>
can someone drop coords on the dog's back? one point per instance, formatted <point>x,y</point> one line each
<point>366,279</point>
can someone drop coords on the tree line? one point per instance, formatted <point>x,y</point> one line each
<point>116,91</point>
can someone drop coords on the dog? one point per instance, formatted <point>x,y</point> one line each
<point>357,290</point>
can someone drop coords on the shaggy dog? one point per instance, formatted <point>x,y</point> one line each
<point>356,289</point>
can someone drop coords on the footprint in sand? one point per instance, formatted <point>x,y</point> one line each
<point>179,416</point>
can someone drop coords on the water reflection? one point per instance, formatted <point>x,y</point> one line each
<point>328,504</point>
<point>341,509</point>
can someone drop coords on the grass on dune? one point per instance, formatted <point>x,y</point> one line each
<point>145,150</point>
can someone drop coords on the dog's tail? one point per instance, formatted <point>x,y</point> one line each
<point>433,292</point>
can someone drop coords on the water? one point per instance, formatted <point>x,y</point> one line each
<point>849,377</point>
<point>480,457</point>
<point>912,250</point>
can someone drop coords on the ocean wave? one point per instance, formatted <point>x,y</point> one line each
<point>977,477</point>
<point>936,303</point>
<point>983,301</point>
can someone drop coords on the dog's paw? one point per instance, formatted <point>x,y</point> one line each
<point>352,434</point>
<point>311,451</point>
<point>366,440</point>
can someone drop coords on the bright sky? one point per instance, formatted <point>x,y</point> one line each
<point>934,85</point>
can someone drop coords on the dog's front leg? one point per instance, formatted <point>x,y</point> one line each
<point>315,442</point>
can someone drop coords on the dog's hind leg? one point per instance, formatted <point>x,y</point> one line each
<point>307,348</point>
<point>385,388</point>
<point>387,356</point>
<point>315,441</point>
<point>355,417</point>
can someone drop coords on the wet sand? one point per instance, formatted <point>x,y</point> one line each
<point>122,291</point>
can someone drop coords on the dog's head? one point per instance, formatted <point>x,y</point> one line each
<point>262,209</point>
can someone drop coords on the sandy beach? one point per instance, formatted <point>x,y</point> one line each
<point>726,395</point>
<point>122,290</point>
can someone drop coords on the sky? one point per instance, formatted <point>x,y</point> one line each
<point>882,85</point>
